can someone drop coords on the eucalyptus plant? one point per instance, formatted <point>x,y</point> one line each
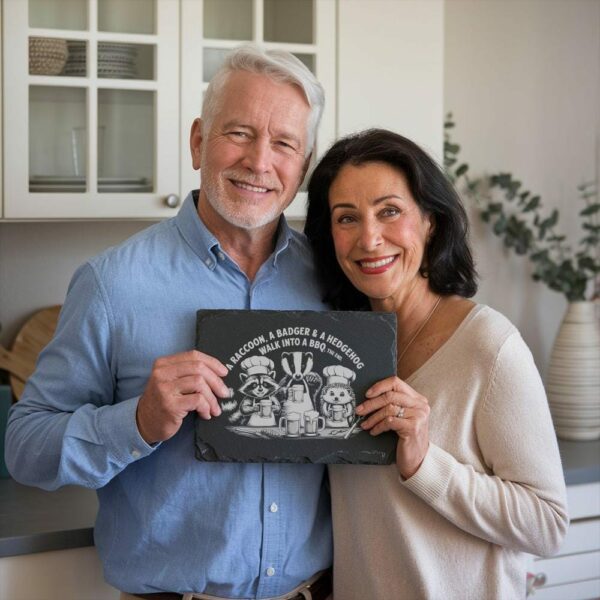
<point>519,218</point>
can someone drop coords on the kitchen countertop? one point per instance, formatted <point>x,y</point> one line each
<point>32,520</point>
<point>581,461</point>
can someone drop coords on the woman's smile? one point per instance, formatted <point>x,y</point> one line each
<point>375,266</point>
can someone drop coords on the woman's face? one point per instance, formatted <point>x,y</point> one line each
<point>379,232</point>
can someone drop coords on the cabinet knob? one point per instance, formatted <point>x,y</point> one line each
<point>172,200</point>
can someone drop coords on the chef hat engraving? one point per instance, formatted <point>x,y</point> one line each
<point>339,374</point>
<point>257,365</point>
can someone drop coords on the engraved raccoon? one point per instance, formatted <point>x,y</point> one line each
<point>259,403</point>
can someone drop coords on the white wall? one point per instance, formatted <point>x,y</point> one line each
<point>38,259</point>
<point>390,68</point>
<point>522,79</point>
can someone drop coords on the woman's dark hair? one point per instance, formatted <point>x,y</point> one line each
<point>449,263</point>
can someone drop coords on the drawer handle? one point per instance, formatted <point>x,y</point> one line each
<point>535,582</point>
<point>172,200</point>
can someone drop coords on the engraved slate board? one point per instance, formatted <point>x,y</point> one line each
<point>296,378</point>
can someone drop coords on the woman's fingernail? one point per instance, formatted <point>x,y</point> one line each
<point>359,410</point>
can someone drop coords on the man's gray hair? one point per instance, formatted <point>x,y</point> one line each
<point>280,66</point>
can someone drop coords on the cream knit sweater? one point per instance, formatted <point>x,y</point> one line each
<point>490,488</point>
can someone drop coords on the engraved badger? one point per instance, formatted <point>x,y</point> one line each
<point>297,367</point>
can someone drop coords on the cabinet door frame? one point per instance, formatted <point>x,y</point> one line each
<point>193,86</point>
<point>21,204</point>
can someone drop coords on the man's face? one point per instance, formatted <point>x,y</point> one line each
<point>252,159</point>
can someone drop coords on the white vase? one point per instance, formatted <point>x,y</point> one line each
<point>573,381</point>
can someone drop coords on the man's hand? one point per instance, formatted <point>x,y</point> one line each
<point>178,385</point>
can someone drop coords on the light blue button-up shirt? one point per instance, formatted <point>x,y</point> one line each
<point>168,522</point>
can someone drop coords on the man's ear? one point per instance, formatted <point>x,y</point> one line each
<point>196,142</point>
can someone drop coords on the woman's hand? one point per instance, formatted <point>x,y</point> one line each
<point>381,411</point>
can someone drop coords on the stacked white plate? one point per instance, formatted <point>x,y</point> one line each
<point>115,60</point>
<point>77,184</point>
<point>76,62</point>
<point>573,381</point>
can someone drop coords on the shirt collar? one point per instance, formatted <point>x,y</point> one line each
<point>205,244</point>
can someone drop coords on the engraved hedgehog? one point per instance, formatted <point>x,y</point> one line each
<point>337,399</point>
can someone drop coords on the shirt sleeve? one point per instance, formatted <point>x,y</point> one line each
<point>520,502</point>
<point>67,428</point>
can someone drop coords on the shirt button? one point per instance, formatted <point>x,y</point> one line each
<point>208,262</point>
<point>136,453</point>
<point>270,572</point>
<point>273,508</point>
<point>221,256</point>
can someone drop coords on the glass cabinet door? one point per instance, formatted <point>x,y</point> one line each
<point>96,91</point>
<point>212,28</point>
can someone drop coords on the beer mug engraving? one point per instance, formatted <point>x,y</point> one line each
<point>313,423</point>
<point>266,408</point>
<point>290,424</point>
<point>337,412</point>
<point>297,392</point>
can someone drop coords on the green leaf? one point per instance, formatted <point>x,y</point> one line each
<point>462,170</point>
<point>513,188</point>
<point>591,240</point>
<point>451,148</point>
<point>591,227</point>
<point>592,209</point>
<point>500,225</point>
<point>541,255</point>
<point>532,204</point>
<point>586,262</point>
<point>551,220</point>
<point>504,180</point>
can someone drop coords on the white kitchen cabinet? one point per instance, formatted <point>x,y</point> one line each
<point>574,573</point>
<point>74,574</point>
<point>91,108</point>
<point>210,28</point>
<point>98,107</point>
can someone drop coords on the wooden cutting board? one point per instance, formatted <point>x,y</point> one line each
<point>29,342</point>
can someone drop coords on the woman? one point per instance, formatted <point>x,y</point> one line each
<point>477,480</point>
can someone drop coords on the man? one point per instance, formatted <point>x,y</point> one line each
<point>112,403</point>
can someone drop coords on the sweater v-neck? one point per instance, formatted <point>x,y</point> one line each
<point>447,345</point>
